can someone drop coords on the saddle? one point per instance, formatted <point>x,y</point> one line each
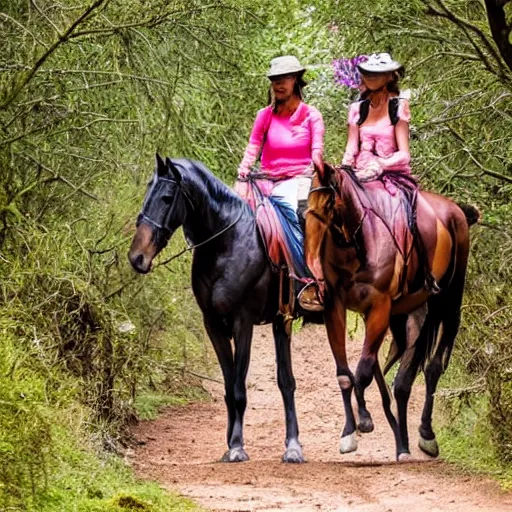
<point>392,202</point>
<point>282,234</point>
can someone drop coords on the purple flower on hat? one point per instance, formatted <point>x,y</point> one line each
<point>346,73</point>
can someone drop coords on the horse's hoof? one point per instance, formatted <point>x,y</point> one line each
<point>293,453</point>
<point>365,425</point>
<point>235,455</point>
<point>293,456</point>
<point>429,446</point>
<point>404,457</point>
<point>348,443</point>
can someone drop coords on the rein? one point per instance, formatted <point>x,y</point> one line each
<point>204,242</point>
<point>330,188</point>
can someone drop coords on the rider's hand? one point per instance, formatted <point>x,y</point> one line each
<point>242,188</point>
<point>370,172</point>
<point>243,172</point>
<point>348,161</point>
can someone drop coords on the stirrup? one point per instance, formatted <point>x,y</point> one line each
<point>309,298</point>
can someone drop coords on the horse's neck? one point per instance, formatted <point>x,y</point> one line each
<point>206,215</point>
<point>352,209</point>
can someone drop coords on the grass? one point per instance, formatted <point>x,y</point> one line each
<point>464,432</point>
<point>87,483</point>
<point>148,404</point>
<point>52,450</point>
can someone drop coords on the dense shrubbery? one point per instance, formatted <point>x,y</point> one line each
<point>81,334</point>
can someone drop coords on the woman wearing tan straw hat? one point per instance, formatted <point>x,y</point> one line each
<point>287,140</point>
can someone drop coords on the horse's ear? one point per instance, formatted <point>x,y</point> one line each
<point>324,174</point>
<point>175,172</point>
<point>160,166</point>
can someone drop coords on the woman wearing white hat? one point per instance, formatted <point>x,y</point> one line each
<point>378,124</point>
<point>378,138</point>
<point>287,138</point>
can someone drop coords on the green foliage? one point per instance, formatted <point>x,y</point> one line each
<point>25,426</point>
<point>89,485</point>
<point>46,447</point>
<point>483,346</point>
<point>82,115</point>
<point>466,438</point>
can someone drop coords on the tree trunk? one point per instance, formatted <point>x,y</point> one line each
<point>500,29</point>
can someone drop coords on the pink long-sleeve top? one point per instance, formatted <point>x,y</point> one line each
<point>292,141</point>
<point>377,140</point>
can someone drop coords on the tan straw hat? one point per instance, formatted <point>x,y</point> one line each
<point>285,65</point>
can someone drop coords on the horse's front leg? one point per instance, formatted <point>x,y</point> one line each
<point>286,382</point>
<point>242,333</point>
<point>220,337</point>
<point>335,323</point>
<point>377,324</point>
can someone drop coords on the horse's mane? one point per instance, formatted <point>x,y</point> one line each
<point>347,172</point>
<point>217,193</point>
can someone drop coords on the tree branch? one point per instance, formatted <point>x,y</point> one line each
<point>43,14</point>
<point>25,29</point>
<point>485,170</point>
<point>148,22</point>
<point>57,177</point>
<point>90,123</point>
<point>61,39</point>
<point>467,26</point>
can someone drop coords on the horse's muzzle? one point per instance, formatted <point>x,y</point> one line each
<point>142,250</point>
<point>139,262</point>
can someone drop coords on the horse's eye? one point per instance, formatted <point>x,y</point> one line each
<point>167,200</point>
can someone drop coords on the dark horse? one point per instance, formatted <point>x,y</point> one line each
<point>232,281</point>
<point>365,272</point>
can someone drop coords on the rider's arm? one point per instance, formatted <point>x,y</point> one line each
<point>402,156</point>
<point>352,147</point>
<point>317,138</point>
<point>255,141</point>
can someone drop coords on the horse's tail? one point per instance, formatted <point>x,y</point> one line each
<point>471,212</point>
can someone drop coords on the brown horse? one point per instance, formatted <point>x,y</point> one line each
<point>375,270</point>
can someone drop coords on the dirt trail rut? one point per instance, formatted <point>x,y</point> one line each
<point>183,446</point>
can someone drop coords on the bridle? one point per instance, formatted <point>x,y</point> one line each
<point>335,191</point>
<point>143,217</point>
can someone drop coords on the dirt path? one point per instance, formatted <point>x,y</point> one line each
<point>181,448</point>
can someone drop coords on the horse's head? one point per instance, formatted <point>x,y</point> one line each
<point>323,191</point>
<point>163,211</point>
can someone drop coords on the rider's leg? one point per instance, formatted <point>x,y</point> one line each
<point>430,283</point>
